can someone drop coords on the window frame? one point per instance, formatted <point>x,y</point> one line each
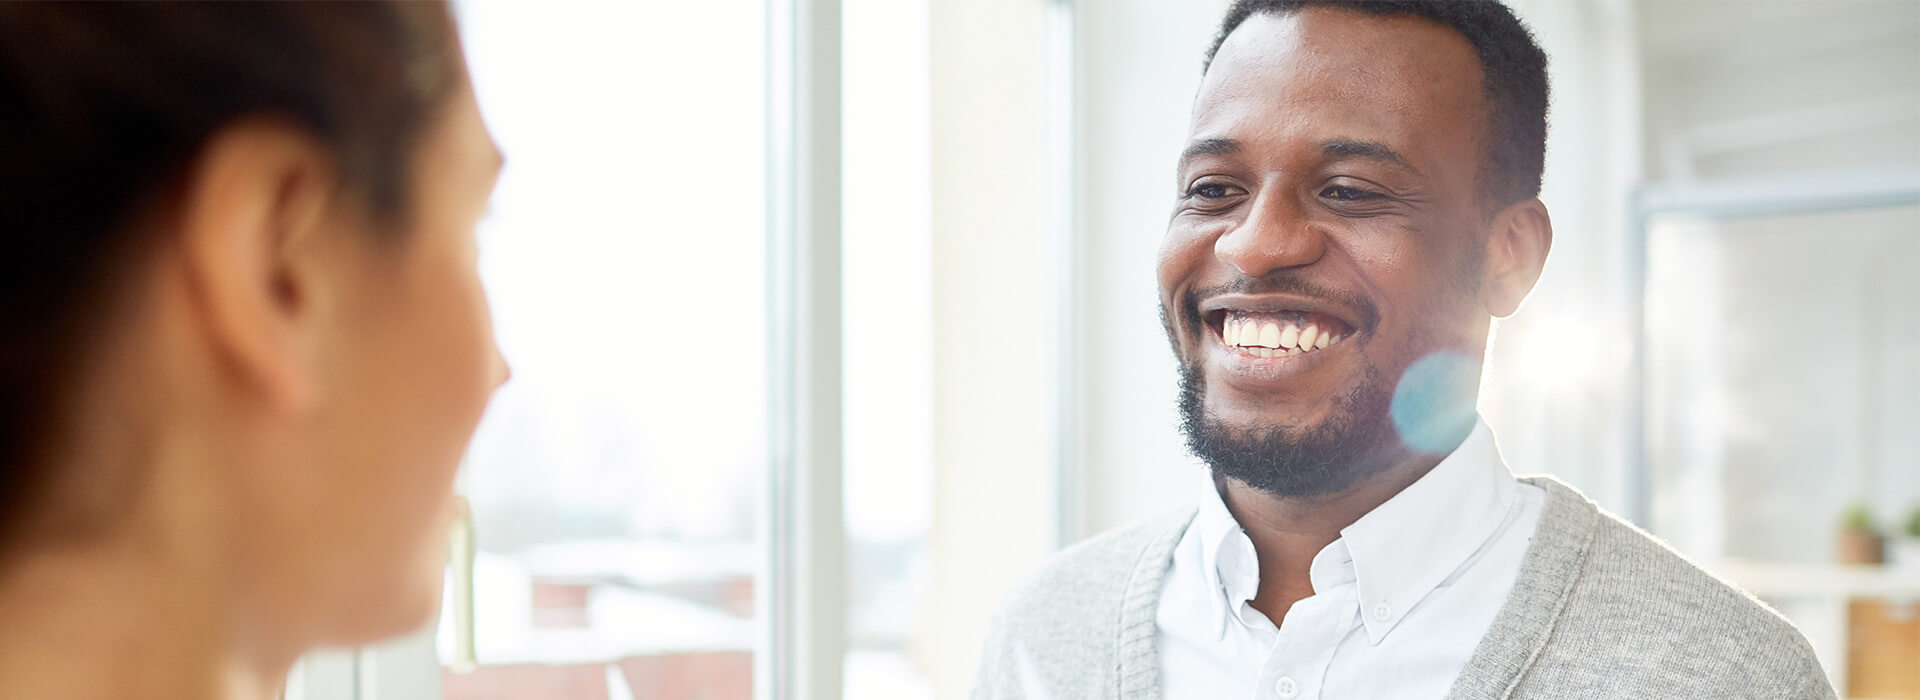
<point>801,599</point>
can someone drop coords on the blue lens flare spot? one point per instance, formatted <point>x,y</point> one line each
<point>1433,404</point>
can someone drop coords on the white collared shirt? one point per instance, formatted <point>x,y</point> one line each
<point>1399,601</point>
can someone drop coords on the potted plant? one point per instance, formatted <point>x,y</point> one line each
<point>1860,543</point>
<point>1905,550</point>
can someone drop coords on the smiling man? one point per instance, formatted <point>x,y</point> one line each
<point>1357,201</point>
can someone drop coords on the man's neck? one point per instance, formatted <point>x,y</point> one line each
<point>1288,532</point>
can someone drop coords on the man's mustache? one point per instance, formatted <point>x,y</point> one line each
<point>1280,283</point>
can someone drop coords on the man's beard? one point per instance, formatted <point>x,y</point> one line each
<point>1293,462</point>
<point>1355,442</point>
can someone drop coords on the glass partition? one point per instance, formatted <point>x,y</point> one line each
<point>1782,399</point>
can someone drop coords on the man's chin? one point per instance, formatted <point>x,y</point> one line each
<point>1324,455</point>
<point>1285,461</point>
<point>1234,423</point>
<point>1243,419</point>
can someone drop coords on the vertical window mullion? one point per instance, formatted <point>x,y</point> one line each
<point>802,526</point>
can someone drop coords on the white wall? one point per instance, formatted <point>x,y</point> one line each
<point>994,345</point>
<point>1780,87</point>
<point>1138,65</point>
<point>1555,390</point>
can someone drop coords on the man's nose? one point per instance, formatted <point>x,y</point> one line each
<point>1276,234</point>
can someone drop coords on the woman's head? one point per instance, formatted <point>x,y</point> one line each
<point>239,301</point>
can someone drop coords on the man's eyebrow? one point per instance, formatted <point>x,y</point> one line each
<point>1370,150</point>
<point>1209,147</point>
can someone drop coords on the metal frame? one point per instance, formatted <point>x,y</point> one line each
<point>800,597</point>
<point>1063,170</point>
<point>1728,199</point>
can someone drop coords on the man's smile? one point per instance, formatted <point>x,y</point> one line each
<point>1267,337</point>
<point>1268,334</point>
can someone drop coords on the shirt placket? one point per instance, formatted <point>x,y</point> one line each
<point>1296,668</point>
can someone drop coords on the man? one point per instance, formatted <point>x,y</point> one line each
<point>1357,201</point>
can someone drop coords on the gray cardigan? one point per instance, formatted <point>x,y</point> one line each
<point>1601,610</point>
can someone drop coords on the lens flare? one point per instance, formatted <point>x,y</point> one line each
<point>1433,403</point>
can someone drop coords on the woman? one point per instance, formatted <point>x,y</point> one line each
<point>242,341</point>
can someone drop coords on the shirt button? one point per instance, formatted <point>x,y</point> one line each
<point>1286,688</point>
<point>1381,612</point>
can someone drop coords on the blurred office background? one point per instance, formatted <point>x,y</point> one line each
<point>1725,346</point>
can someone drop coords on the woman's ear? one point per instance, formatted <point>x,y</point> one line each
<point>1516,252</point>
<point>258,191</point>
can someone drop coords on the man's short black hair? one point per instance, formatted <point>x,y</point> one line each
<point>1515,68</point>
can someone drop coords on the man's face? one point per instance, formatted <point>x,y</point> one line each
<point>1328,236</point>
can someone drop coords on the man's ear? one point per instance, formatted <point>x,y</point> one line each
<point>1516,252</point>
<point>256,193</point>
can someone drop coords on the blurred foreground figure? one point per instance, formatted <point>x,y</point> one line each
<point>1358,200</point>
<point>243,344</point>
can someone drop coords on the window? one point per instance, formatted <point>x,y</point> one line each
<point>614,480</point>
<point>654,514</point>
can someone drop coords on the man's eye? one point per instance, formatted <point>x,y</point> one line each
<point>1209,190</point>
<point>1348,194</point>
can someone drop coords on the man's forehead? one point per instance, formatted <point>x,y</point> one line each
<point>1382,76</point>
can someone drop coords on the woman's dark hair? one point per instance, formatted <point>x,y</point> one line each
<point>103,108</point>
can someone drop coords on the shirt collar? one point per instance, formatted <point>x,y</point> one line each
<point>1227,558</point>
<point>1409,545</point>
<point>1396,554</point>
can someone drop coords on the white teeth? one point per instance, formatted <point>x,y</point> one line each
<point>1260,338</point>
